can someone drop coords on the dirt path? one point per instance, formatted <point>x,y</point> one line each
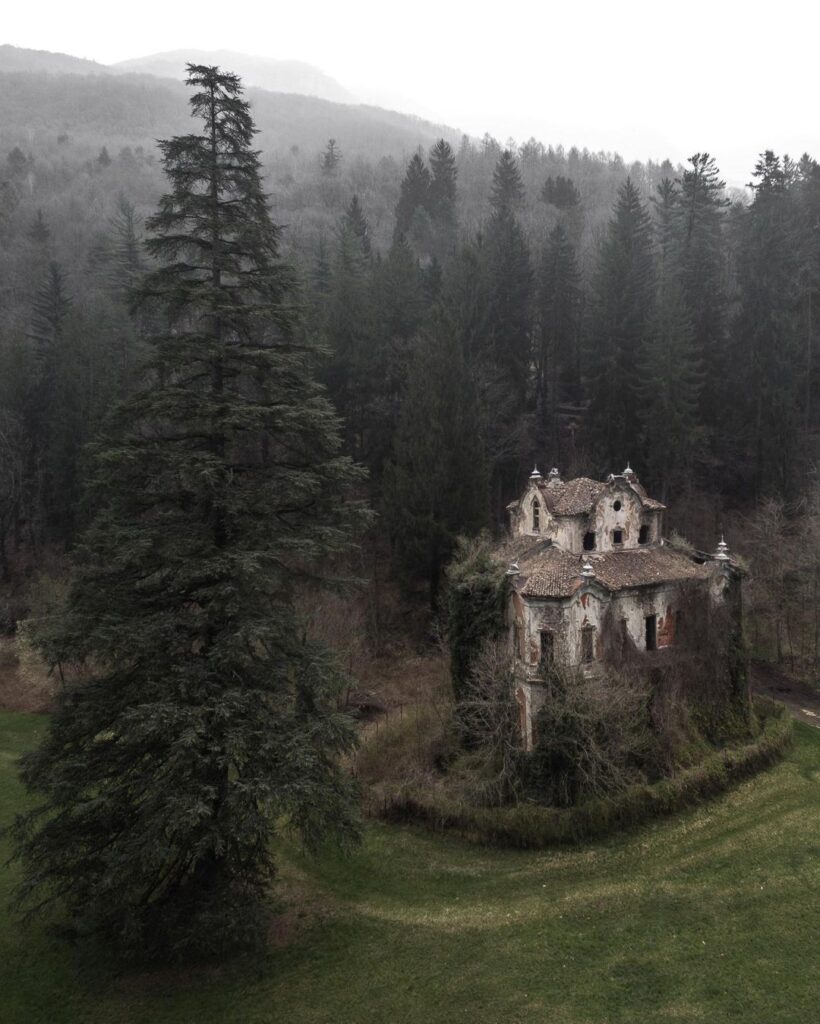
<point>802,700</point>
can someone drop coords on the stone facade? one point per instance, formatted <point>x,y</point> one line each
<point>585,555</point>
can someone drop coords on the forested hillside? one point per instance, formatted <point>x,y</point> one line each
<point>482,305</point>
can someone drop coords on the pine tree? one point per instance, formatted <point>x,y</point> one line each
<point>436,481</point>
<point>205,714</point>
<point>414,194</point>
<point>623,293</point>
<point>444,175</point>
<point>331,158</point>
<point>701,206</point>
<point>39,233</point>
<point>51,409</point>
<point>766,359</point>
<point>560,192</point>
<point>356,220</point>
<point>507,194</point>
<point>556,351</point>
<point>348,336</point>
<point>667,392</point>
<point>509,280</point>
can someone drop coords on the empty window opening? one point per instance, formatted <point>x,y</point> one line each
<point>536,515</point>
<point>617,506</point>
<point>587,644</point>
<point>643,534</point>
<point>651,632</point>
<point>519,639</point>
<point>617,536</point>
<point>589,542</point>
<point>547,649</point>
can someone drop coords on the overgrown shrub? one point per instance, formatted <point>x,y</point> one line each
<point>591,736</point>
<point>476,596</point>
<point>529,825</point>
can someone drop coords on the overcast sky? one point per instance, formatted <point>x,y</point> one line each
<point>645,79</point>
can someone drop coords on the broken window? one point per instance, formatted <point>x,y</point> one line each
<point>547,650</point>
<point>589,541</point>
<point>536,515</point>
<point>643,534</point>
<point>588,644</point>
<point>617,536</point>
<point>651,632</point>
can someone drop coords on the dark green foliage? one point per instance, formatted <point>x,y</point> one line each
<point>530,825</point>
<point>560,192</point>
<point>357,222</point>
<point>700,210</point>
<point>39,232</point>
<point>556,352</point>
<point>669,381</point>
<point>436,480</point>
<point>477,592</point>
<point>205,714</point>
<point>331,158</point>
<point>623,298</point>
<point>509,298</point>
<point>442,194</point>
<point>507,193</point>
<point>414,195</point>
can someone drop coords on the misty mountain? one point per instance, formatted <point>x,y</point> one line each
<point>130,109</point>
<point>291,76</point>
<point>17,58</point>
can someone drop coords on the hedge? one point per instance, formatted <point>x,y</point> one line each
<point>534,826</point>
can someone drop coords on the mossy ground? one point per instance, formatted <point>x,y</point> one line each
<point>706,916</point>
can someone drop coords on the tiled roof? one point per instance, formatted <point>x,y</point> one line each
<point>547,571</point>
<point>551,573</point>
<point>579,496</point>
<point>618,570</point>
<point>572,497</point>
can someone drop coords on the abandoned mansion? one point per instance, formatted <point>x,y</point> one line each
<point>584,554</point>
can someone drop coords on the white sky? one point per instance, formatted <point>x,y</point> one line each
<point>644,78</point>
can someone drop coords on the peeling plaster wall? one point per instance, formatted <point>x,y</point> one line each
<point>566,620</point>
<point>629,518</point>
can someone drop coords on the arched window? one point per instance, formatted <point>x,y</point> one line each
<point>536,516</point>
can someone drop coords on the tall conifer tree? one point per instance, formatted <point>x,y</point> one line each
<point>623,291</point>
<point>204,714</point>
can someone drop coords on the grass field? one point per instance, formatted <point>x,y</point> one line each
<point>710,916</point>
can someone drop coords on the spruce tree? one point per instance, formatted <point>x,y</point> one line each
<point>414,193</point>
<point>667,391</point>
<point>357,222</point>
<point>444,175</point>
<point>701,205</point>
<point>622,300</point>
<point>436,480</point>
<point>204,714</point>
<point>507,192</point>
<point>556,357</point>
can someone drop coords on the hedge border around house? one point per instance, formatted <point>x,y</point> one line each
<point>530,826</point>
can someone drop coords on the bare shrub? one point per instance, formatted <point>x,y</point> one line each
<point>488,720</point>
<point>591,736</point>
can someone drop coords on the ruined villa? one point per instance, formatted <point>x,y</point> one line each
<point>583,553</point>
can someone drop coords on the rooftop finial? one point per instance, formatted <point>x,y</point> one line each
<point>554,475</point>
<point>512,569</point>
<point>722,552</point>
<point>535,475</point>
<point>587,571</point>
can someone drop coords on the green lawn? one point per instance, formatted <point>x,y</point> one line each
<point>710,916</point>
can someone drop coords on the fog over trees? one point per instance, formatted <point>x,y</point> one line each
<point>298,346</point>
